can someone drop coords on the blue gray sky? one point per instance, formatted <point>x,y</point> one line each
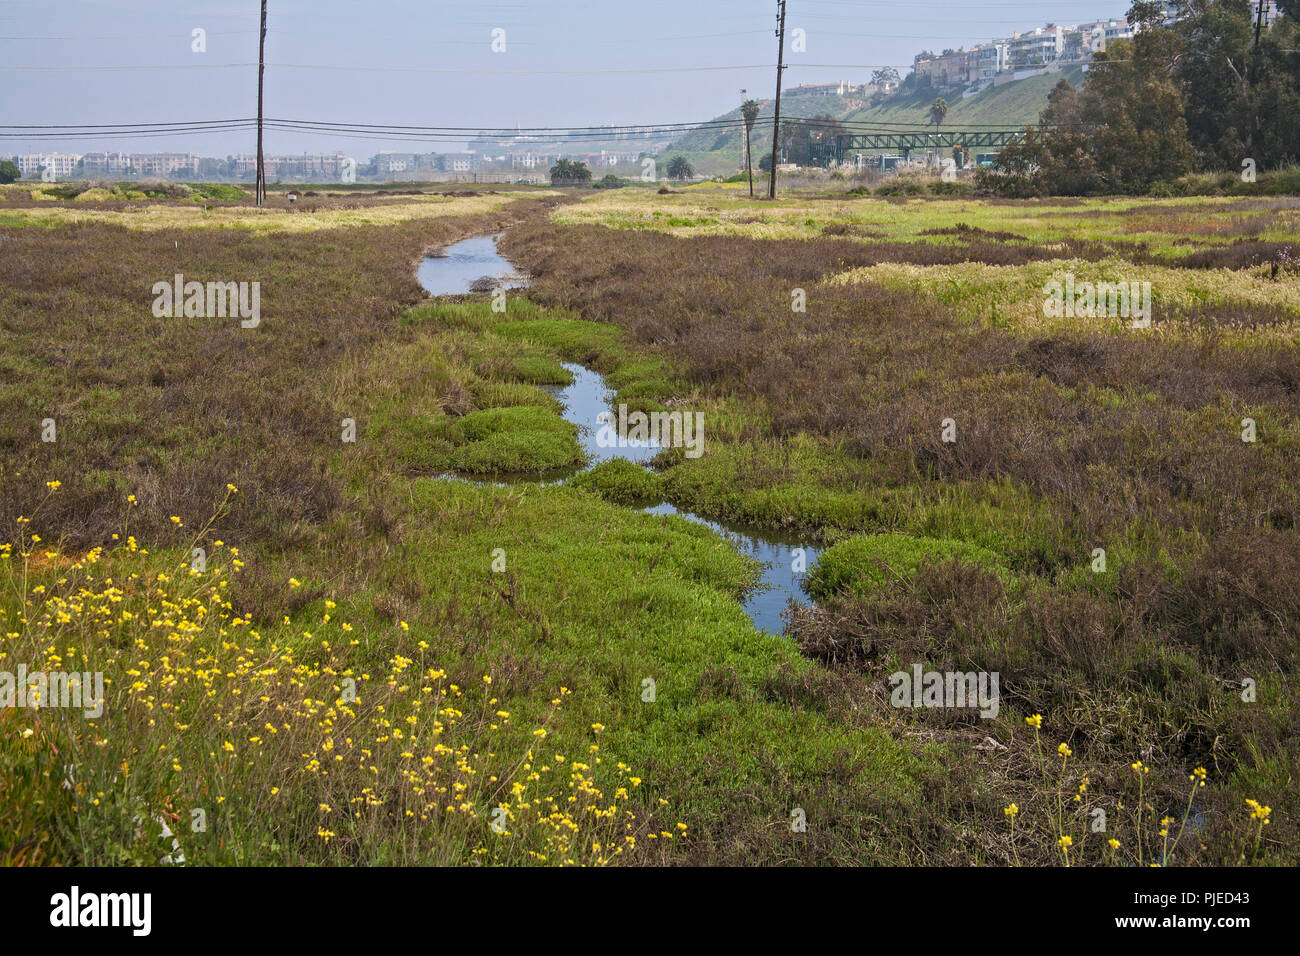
<point>431,62</point>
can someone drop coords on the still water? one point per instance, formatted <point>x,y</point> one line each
<point>588,396</point>
<point>461,264</point>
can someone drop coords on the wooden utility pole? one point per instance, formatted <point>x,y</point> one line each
<point>261,80</point>
<point>749,159</point>
<point>776,118</point>
<point>1253,71</point>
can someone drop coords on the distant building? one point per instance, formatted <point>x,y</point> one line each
<point>947,70</point>
<point>93,165</point>
<point>461,162</point>
<point>1043,47</point>
<point>164,165</point>
<point>531,160</point>
<point>824,89</point>
<point>387,162</point>
<point>1119,29</point>
<point>608,158</point>
<point>64,165</point>
<point>325,166</point>
<point>106,164</point>
<point>989,59</point>
<point>1082,41</point>
<point>1039,47</point>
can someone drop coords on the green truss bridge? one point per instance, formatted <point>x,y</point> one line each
<point>922,140</point>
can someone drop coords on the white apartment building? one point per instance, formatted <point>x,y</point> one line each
<point>64,165</point>
<point>611,158</point>
<point>68,165</point>
<point>1119,29</point>
<point>1038,47</point>
<point>1041,47</point>
<point>1085,39</point>
<point>320,165</point>
<point>106,164</point>
<point>821,89</point>
<point>163,165</point>
<point>462,162</point>
<point>989,59</point>
<point>388,162</point>
<point>530,160</point>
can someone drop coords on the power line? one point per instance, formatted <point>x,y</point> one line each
<point>135,36</point>
<point>127,68</point>
<point>554,135</point>
<point>503,130</point>
<point>631,127</point>
<point>81,126</point>
<point>451,71</point>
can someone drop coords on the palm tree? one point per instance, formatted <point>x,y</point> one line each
<point>679,167</point>
<point>938,111</point>
<point>749,110</point>
<point>569,172</point>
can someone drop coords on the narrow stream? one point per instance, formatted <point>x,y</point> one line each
<point>461,265</point>
<point>466,262</point>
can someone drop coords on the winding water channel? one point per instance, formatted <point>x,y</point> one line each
<point>459,268</point>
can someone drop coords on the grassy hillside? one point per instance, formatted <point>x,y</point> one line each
<point>716,151</point>
<point>1013,105</point>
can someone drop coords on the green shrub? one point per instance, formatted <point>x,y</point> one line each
<point>217,191</point>
<point>621,482</point>
<point>864,563</point>
<point>507,452</point>
<point>520,418</point>
<point>539,370</point>
<point>942,188</point>
<point>501,394</point>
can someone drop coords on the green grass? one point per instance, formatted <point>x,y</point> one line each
<point>621,482</point>
<point>1013,106</point>
<point>1010,106</point>
<point>861,565</point>
<point>608,598</point>
<point>517,451</point>
<point>821,425</point>
<point>1076,443</point>
<point>1134,228</point>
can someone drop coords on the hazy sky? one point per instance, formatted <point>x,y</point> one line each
<point>431,63</point>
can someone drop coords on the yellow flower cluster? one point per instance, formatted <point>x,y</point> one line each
<point>288,730</point>
<point>1140,816</point>
<point>1258,811</point>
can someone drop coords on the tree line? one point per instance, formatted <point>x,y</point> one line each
<point>1211,91</point>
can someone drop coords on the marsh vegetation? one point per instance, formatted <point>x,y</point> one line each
<point>449,604</point>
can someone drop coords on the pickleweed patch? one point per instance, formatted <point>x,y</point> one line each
<point>863,563</point>
<point>213,300</point>
<point>300,746</point>
<point>421,631</point>
<point>621,481</point>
